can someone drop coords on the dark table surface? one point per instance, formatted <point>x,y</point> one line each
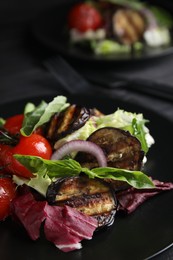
<point>22,74</point>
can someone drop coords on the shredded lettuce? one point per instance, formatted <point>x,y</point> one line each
<point>41,114</point>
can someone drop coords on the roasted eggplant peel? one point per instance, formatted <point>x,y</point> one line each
<point>93,197</point>
<point>68,121</point>
<point>128,25</point>
<point>121,149</point>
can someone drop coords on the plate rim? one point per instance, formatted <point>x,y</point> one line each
<point>50,96</point>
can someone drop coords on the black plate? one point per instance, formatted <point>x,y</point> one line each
<point>51,31</point>
<point>144,233</point>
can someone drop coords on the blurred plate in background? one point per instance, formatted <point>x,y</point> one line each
<point>50,31</point>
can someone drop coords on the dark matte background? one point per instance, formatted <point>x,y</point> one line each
<point>22,74</point>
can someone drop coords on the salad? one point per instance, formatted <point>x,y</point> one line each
<point>72,169</point>
<point>118,26</point>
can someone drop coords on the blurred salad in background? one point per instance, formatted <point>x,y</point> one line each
<point>115,26</point>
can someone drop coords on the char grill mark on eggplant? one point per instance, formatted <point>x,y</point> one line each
<point>122,150</point>
<point>67,121</point>
<point>128,25</point>
<point>96,112</point>
<point>93,197</point>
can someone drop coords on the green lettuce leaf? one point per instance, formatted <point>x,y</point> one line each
<point>81,134</point>
<point>2,121</point>
<point>107,46</point>
<point>29,107</point>
<point>42,114</point>
<point>39,182</point>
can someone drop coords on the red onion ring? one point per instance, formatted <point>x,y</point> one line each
<point>151,19</point>
<point>81,146</point>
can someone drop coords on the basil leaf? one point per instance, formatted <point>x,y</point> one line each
<point>42,114</point>
<point>70,167</point>
<point>135,4</point>
<point>163,17</point>
<point>139,133</point>
<point>136,179</point>
<point>59,168</point>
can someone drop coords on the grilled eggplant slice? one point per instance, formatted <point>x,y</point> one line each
<point>93,197</point>
<point>66,122</point>
<point>122,150</point>
<point>128,25</point>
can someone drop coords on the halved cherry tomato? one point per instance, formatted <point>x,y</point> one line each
<point>35,145</point>
<point>84,16</point>
<point>7,194</point>
<point>13,124</point>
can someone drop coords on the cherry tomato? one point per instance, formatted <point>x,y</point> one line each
<point>7,194</point>
<point>5,154</point>
<point>84,16</point>
<point>39,131</point>
<point>13,124</point>
<point>35,145</point>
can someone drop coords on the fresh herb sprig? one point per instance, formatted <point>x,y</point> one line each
<point>70,167</point>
